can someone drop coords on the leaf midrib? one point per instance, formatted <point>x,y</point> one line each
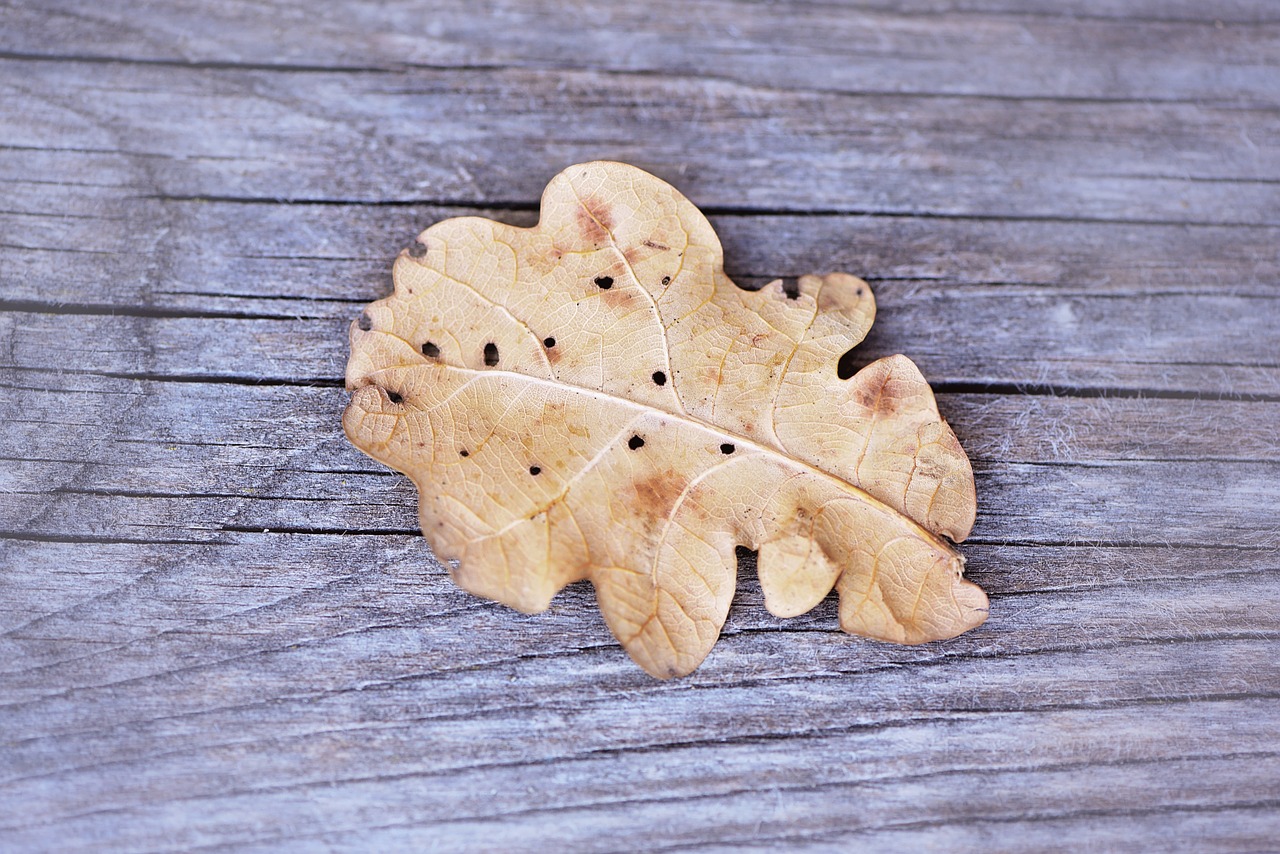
<point>686,418</point>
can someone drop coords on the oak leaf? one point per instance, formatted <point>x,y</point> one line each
<point>593,398</point>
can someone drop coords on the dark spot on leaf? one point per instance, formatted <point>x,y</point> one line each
<point>417,249</point>
<point>791,287</point>
<point>366,322</point>
<point>464,453</point>
<point>727,448</point>
<point>845,367</point>
<point>636,443</point>
<point>604,282</point>
<point>659,377</point>
<point>490,354</point>
<point>430,350</point>
<point>549,342</point>
<point>666,280</point>
<point>395,397</point>
<point>534,470</point>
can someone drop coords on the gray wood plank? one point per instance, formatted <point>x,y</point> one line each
<point>253,258</point>
<point>1077,50</point>
<point>260,430</point>
<point>470,711</point>
<point>160,468</point>
<point>1161,343</point>
<point>343,136</point>
<point>219,627</point>
<point>230,662</point>
<point>891,793</point>
<point>1022,503</point>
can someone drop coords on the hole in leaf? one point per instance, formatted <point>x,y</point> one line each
<point>430,350</point>
<point>395,397</point>
<point>534,470</point>
<point>659,377</point>
<point>464,453</point>
<point>845,367</point>
<point>548,342</point>
<point>366,322</point>
<point>490,354</point>
<point>791,287</point>
<point>417,249</point>
<point>727,448</point>
<point>604,282</point>
<point>635,443</point>
<point>666,280</point>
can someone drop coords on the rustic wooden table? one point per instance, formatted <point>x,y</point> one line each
<point>219,627</point>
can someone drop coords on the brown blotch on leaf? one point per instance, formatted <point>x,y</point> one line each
<point>620,300</point>
<point>878,399</point>
<point>887,404</point>
<point>657,493</point>
<point>595,221</point>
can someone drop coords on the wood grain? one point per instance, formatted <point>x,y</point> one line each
<point>219,627</point>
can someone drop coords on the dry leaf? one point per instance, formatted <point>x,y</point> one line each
<point>593,398</point>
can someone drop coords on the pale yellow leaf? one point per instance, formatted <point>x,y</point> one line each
<point>592,398</point>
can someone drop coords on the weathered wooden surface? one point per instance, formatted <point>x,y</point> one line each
<point>219,628</point>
